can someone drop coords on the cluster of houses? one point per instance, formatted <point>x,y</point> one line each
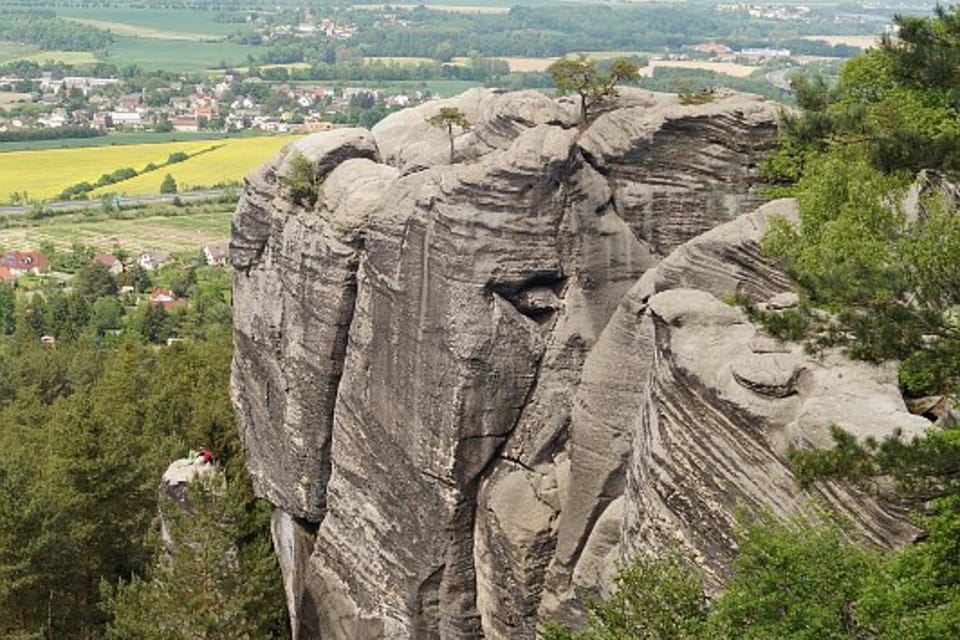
<point>769,11</point>
<point>722,53</point>
<point>15,264</point>
<point>100,103</point>
<point>220,104</point>
<point>310,26</point>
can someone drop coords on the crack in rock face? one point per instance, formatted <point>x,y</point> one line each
<point>468,387</point>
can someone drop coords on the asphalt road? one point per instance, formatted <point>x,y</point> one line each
<point>131,201</point>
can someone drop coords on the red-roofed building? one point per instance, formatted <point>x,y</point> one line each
<point>164,298</point>
<point>21,262</point>
<point>111,262</point>
<point>712,47</point>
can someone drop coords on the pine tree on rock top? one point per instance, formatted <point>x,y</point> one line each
<point>448,118</point>
<point>583,77</point>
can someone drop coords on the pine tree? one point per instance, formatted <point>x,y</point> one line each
<point>583,77</point>
<point>8,303</point>
<point>212,583</point>
<point>448,118</point>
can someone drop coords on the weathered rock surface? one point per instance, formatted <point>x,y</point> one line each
<point>717,418</point>
<point>669,199</point>
<point>409,142</point>
<point>175,486</point>
<point>466,402</point>
<point>179,475</point>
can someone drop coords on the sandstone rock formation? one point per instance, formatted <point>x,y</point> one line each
<point>464,400</point>
<point>174,485</point>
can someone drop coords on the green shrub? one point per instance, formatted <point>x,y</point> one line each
<point>690,95</point>
<point>169,185</point>
<point>117,176</point>
<point>932,370</point>
<point>655,599</point>
<point>301,180</point>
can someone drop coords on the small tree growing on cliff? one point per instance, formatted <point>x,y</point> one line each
<point>583,77</point>
<point>448,118</point>
<point>301,180</point>
<point>655,599</point>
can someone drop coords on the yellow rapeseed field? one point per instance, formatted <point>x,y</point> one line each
<point>229,162</point>
<point>44,174</point>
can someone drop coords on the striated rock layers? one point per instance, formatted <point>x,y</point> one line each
<point>464,400</point>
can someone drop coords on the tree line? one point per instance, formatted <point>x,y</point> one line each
<point>546,32</point>
<point>87,426</point>
<point>49,133</point>
<point>45,30</point>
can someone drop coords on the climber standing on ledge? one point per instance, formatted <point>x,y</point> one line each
<point>204,457</point>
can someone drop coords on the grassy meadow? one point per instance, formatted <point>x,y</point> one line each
<point>44,174</point>
<point>184,232</point>
<point>728,68</point>
<point>10,52</point>
<point>120,29</point>
<point>178,40</point>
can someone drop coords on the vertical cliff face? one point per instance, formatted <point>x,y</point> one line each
<point>456,388</point>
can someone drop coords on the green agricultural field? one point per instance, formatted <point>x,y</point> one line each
<point>154,21</point>
<point>120,139</point>
<point>67,57</point>
<point>185,233</point>
<point>122,29</point>
<point>12,51</point>
<point>152,54</point>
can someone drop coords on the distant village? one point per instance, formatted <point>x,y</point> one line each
<point>16,265</point>
<point>226,103</point>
